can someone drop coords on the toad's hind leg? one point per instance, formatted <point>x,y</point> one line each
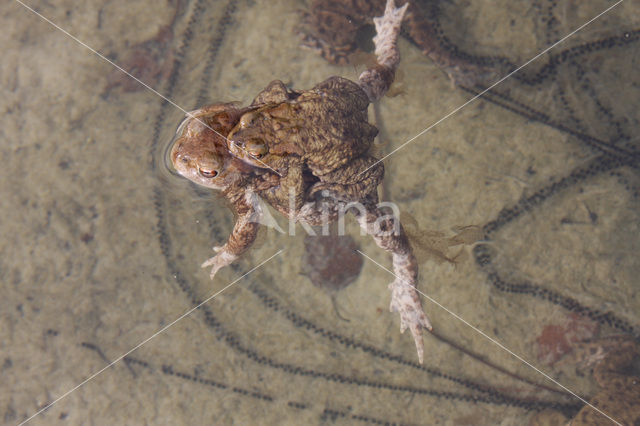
<point>376,81</point>
<point>389,234</point>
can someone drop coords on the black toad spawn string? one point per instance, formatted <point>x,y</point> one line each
<point>516,100</point>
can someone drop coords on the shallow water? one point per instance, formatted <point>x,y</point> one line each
<point>101,244</point>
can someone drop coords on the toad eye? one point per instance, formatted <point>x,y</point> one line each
<point>209,174</point>
<point>246,119</point>
<point>256,148</point>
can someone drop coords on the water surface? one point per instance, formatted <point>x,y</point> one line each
<point>101,244</point>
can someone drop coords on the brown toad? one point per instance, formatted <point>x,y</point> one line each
<point>616,371</point>
<point>324,129</point>
<point>334,28</point>
<point>619,397</point>
<point>200,153</point>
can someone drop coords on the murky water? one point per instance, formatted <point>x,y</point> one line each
<point>101,244</point>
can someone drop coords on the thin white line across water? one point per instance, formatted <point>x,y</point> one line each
<point>64,395</point>
<point>494,85</point>
<point>100,55</point>
<point>494,341</point>
<point>280,251</point>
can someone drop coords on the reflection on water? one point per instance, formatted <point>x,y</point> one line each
<point>102,244</point>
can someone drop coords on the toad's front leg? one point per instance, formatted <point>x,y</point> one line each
<point>243,235</point>
<point>290,194</point>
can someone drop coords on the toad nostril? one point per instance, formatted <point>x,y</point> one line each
<point>238,143</point>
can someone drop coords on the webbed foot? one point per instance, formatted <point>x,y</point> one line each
<point>387,30</point>
<point>376,80</point>
<point>405,301</point>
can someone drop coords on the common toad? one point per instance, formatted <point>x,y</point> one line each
<point>333,29</point>
<point>201,154</point>
<point>616,372</point>
<point>619,396</point>
<point>324,130</point>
